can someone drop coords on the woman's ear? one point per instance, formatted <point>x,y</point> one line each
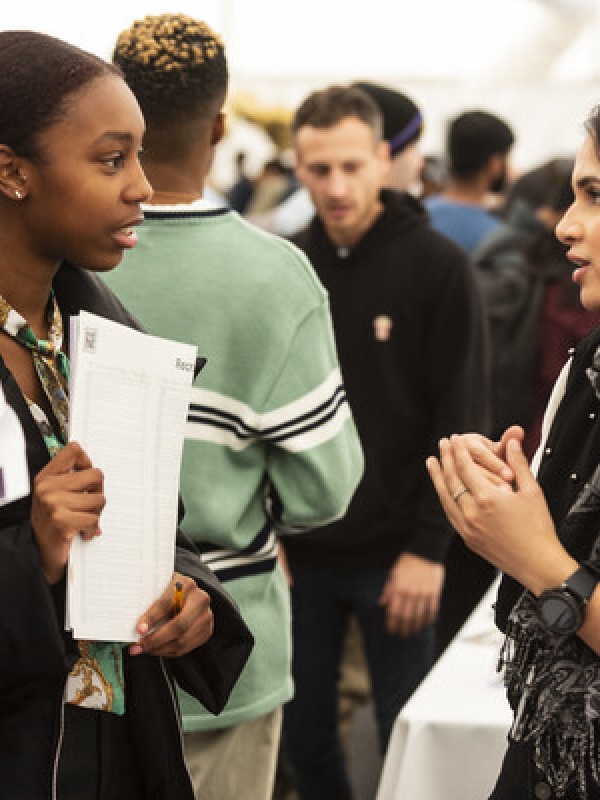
<point>12,180</point>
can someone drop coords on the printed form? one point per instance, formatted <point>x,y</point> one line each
<point>128,404</point>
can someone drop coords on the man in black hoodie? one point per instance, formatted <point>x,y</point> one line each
<point>410,337</point>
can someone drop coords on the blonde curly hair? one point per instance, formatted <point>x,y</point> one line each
<point>174,64</point>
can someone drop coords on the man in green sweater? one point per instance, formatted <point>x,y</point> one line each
<point>271,445</point>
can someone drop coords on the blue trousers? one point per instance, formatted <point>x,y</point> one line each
<point>322,600</point>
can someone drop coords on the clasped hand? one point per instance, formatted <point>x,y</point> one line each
<point>502,515</point>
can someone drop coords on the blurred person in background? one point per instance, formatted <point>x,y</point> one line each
<point>402,129</point>
<point>478,146</point>
<point>433,177</point>
<point>409,329</point>
<point>477,150</point>
<point>275,182</point>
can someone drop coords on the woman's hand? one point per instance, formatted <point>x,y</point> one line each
<point>164,633</point>
<point>510,528</point>
<point>491,455</point>
<point>67,500</point>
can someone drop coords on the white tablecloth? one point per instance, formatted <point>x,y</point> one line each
<point>449,740</point>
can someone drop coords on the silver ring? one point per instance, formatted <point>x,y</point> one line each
<point>459,493</point>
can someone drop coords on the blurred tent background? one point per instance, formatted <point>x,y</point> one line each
<point>534,62</point>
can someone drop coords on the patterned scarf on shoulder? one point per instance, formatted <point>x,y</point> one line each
<point>96,680</point>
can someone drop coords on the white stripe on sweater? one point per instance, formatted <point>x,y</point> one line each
<point>228,559</point>
<point>305,423</point>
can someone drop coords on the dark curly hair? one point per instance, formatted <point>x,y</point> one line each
<point>175,66</point>
<point>38,76</point>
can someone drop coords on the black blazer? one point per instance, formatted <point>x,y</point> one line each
<point>571,455</point>
<point>36,653</point>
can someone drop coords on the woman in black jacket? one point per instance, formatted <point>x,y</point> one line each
<point>80,720</point>
<point>544,535</point>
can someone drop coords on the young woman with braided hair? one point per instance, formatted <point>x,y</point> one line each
<point>80,720</point>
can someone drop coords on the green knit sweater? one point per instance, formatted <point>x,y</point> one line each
<point>271,445</point>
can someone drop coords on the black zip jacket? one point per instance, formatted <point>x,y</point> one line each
<point>410,333</point>
<point>36,654</point>
<point>569,458</point>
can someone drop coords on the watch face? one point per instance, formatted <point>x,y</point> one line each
<point>560,611</point>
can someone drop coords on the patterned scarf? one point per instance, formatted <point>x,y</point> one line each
<point>96,680</point>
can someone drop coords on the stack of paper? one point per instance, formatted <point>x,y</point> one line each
<point>128,404</point>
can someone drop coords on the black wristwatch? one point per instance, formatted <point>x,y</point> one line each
<point>561,609</point>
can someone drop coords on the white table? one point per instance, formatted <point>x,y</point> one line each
<point>449,740</point>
